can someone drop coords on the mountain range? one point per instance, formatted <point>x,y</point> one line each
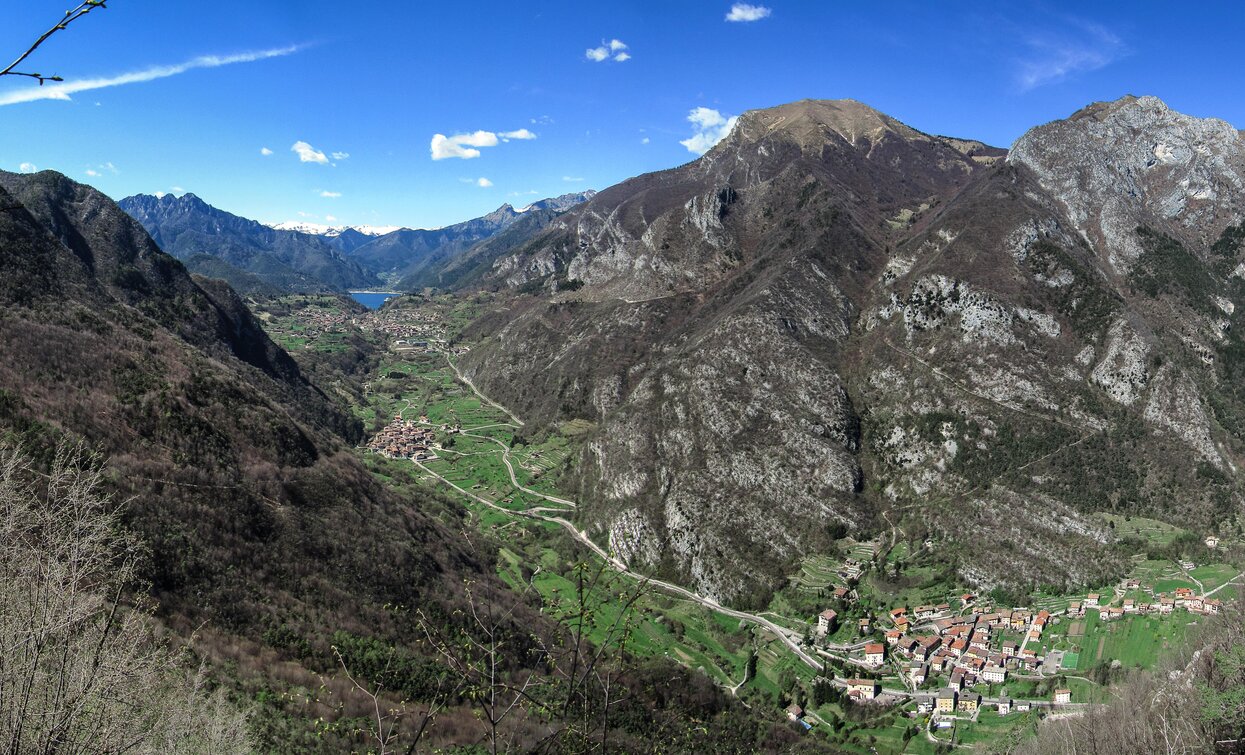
<point>834,323</point>
<point>292,257</point>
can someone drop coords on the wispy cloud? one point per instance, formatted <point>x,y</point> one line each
<point>615,49</point>
<point>98,170</point>
<point>1078,47</point>
<point>330,194</point>
<point>572,179</point>
<point>308,154</point>
<point>522,133</point>
<point>65,90</point>
<point>340,155</point>
<point>265,151</point>
<point>743,12</point>
<point>711,127</point>
<point>466,146</point>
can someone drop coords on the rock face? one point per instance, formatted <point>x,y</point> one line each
<point>834,321</point>
<point>1135,162</point>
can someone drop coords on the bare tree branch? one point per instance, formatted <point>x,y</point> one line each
<point>70,16</point>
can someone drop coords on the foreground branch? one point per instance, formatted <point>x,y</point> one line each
<point>70,16</point>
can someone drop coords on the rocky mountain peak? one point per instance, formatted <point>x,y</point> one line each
<point>1135,161</point>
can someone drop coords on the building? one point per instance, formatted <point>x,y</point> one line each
<point>969,703</point>
<point>1005,706</point>
<point>994,675</point>
<point>957,681</point>
<point>1063,696</point>
<point>1212,541</point>
<point>862,688</point>
<point>918,672</point>
<point>924,704</point>
<point>795,712</point>
<point>946,700</point>
<point>1092,600</point>
<point>875,654</point>
<point>865,626</point>
<point>1023,706</point>
<point>827,620</point>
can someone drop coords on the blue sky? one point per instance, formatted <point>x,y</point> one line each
<point>568,95</point>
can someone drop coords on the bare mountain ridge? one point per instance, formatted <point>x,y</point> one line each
<point>834,320</point>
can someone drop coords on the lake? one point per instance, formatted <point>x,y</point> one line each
<point>372,299</point>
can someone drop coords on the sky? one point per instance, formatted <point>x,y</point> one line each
<point>426,114</point>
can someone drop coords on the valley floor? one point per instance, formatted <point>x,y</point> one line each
<point>459,440</point>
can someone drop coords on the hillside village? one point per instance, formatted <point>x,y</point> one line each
<point>953,658</point>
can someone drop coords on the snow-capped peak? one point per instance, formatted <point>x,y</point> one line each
<point>319,229</point>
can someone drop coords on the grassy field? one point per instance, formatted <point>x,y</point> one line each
<point>1150,530</point>
<point>1135,641</point>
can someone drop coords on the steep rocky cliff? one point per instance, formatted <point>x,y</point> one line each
<point>834,320</point>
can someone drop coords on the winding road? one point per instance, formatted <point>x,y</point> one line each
<point>789,637</point>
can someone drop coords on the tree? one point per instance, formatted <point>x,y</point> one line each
<point>70,16</point>
<point>80,671</point>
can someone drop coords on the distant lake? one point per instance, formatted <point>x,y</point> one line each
<point>372,299</point>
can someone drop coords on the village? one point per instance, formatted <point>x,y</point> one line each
<point>408,439</point>
<point>952,659</point>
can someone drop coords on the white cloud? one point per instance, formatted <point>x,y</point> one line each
<point>308,154</point>
<point>27,168</point>
<point>520,134</point>
<point>711,127</point>
<point>265,151</point>
<point>64,90</point>
<point>571,179</point>
<point>614,48</point>
<point>461,145</point>
<point>464,146</point>
<point>645,140</point>
<point>543,120</point>
<point>330,194</point>
<point>177,190</point>
<point>92,173</point>
<point>330,218</point>
<point>340,155</point>
<point>1078,48</point>
<point>528,193</point>
<point>483,183</point>
<point>745,12</point>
